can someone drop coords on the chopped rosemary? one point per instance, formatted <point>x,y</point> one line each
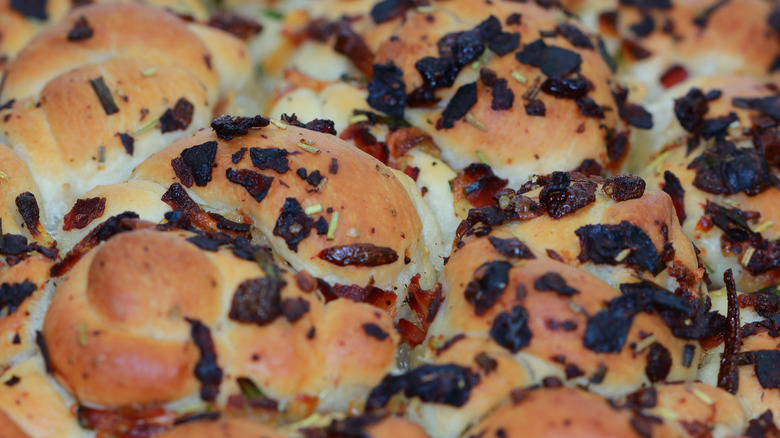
<point>104,95</point>
<point>313,209</point>
<point>334,221</point>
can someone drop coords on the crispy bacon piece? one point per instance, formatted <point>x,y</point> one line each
<point>478,184</point>
<point>380,298</point>
<point>425,304</point>
<point>131,421</point>
<point>84,211</point>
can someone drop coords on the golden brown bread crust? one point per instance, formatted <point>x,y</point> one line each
<point>565,412</point>
<point>18,185</point>
<point>222,428</point>
<point>515,144</point>
<point>382,214</point>
<point>9,429</point>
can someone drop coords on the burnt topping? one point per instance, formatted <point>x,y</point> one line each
<point>635,115</point>
<point>728,374</point>
<point>478,184</point>
<point>104,95</point>
<point>503,96</point>
<point>128,142</point>
<point>333,167</point>
<point>560,198</point>
<point>28,209</point>
<point>674,189</point>
<point>81,30</point>
<point>293,224</point>
<point>358,254</point>
<point>535,107</point>
<point>648,4</point>
<point>238,25</point>
<point>567,88</point>
<point>763,426</point>
<point>324,126</point>
<point>177,118</point>
<point>375,331</point>
<point>510,330</point>
<point>704,16</point>
<point>726,169</point>
<point>517,207</point>
<point>460,104</point>
<point>490,281</point>
<point>644,27</point>
<point>589,108</point>
<point>386,91</point>
<point>257,301</point>
<point>207,371</point>
<point>41,342</point>
<point>387,10</point>
<point>195,164</point>
<point>314,179</point>
<point>446,384</point>
<point>293,309</point>
<point>624,187</point>
<point>552,60</point>
<point>690,111</point>
<point>768,106</point>
<point>659,363</point>
<point>486,363</point>
<point>31,8</point>
<point>12,295</point>
<point>270,158</point>
<point>687,356</point>
<point>602,244</point>
<point>767,365</point>
<point>514,19</point>
<point>227,127</point>
<point>84,211</point>
<point>511,248</point>
<point>552,281</point>
<point>238,155</point>
<point>352,45</point>
<point>574,35</point>
<point>255,183</point>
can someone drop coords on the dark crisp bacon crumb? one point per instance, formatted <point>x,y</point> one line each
<point>293,309</point>
<point>228,127</point>
<point>12,295</point>
<point>624,187</point>
<point>659,362</point>
<point>460,104</point>
<point>318,125</point>
<point>552,60</point>
<point>255,183</point>
<point>728,374</point>
<point>177,118</point>
<point>446,384</point>
<point>560,198</point>
<point>358,254</point>
<point>603,243</point>
<point>387,10</point>
<point>41,341</point>
<point>552,281</point>
<point>128,142</point>
<point>386,91</point>
<point>257,301</point>
<point>510,330</point>
<point>207,371</point>
<point>81,30</point>
<point>574,35</point>
<point>84,211</point>
<point>31,8</point>
<point>535,107</point>
<point>674,189</point>
<point>238,25</point>
<point>270,158</point>
<point>28,209</point>
<point>490,281</point>
<point>293,224</point>
<point>375,331</point>
<point>511,248</point>
<point>238,155</point>
<point>195,164</point>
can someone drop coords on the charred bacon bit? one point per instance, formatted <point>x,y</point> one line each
<point>104,95</point>
<point>270,158</point>
<point>386,91</point>
<point>701,19</point>
<point>552,60</point>
<point>255,183</point>
<point>28,209</point>
<point>257,301</point>
<point>379,298</point>
<point>84,211</point>
<point>81,30</point>
<point>181,203</point>
<point>210,241</point>
<point>635,115</point>
<point>293,309</point>
<point>238,25</point>
<point>674,75</point>
<point>424,303</point>
<point>728,374</point>
<point>644,27</point>
<point>352,45</point>
<point>375,331</point>
<point>12,295</point>
<point>195,164</point>
<point>535,107</point>
<point>589,108</point>
<point>460,104</point>
<point>207,371</point>
<point>767,365</point>
<point>324,126</point>
<point>574,35</point>
<point>114,225</point>
<point>561,198</point>
<point>445,384</point>
<point>131,421</point>
<point>768,106</point>
<point>31,8</point>
<point>648,4</point>
<point>601,244</point>
<point>659,363</point>
<point>437,72</point>
<point>128,142</point>
<point>624,187</point>
<point>617,144</point>
<point>510,330</point>
<point>514,19</point>
<point>674,189</point>
<point>358,254</point>
<point>490,281</point>
<point>567,88</point>
<point>635,51</point>
<point>486,363</point>
<point>503,96</point>
<point>589,167</point>
<point>554,282</point>
<point>333,167</point>
<point>402,140</point>
<point>690,109</point>
<point>763,426</point>
<point>366,142</point>
<point>293,224</point>
<point>726,169</point>
<point>41,342</point>
<point>478,184</point>
<point>464,47</point>
<point>177,118</point>
<point>511,248</point>
<point>387,10</point>
<point>228,127</point>
<point>480,220</point>
<point>238,155</point>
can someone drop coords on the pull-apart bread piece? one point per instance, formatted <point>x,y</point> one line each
<point>720,165</point>
<point>661,43</point>
<point>92,96</point>
<point>21,20</point>
<point>612,303</point>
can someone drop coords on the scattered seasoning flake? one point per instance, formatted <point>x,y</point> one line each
<point>516,75</point>
<point>313,209</point>
<point>701,395</point>
<point>278,123</point>
<point>426,9</point>
<point>101,154</point>
<point>81,330</point>
<point>482,158</point>
<point>104,95</point>
<point>334,221</point>
<point>764,226</point>
<point>3,176</point>
<point>308,148</point>
<point>146,126</point>
<point>149,72</point>
<point>81,30</point>
<point>747,256</point>
<point>476,123</point>
<point>667,414</point>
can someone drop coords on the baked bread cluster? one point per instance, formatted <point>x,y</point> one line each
<point>381,218</point>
